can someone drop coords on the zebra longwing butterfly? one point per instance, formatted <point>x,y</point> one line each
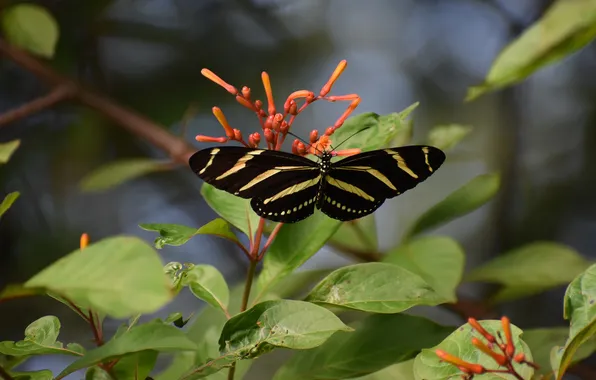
<point>285,187</point>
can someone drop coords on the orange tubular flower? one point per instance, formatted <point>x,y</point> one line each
<point>348,152</point>
<point>509,348</point>
<point>472,368</point>
<point>269,92</point>
<point>202,138</point>
<point>214,78</point>
<point>336,73</point>
<point>474,323</point>
<point>223,121</point>
<point>500,359</point>
<point>84,241</point>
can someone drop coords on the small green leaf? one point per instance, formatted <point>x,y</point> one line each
<point>118,172</point>
<point>151,336</point>
<point>445,137</point>
<point>359,234</point>
<point>294,244</point>
<point>44,374</point>
<point>40,339</point>
<point>135,366</point>
<point>580,309</point>
<point>8,201</point>
<point>542,341</point>
<point>530,269</point>
<point>438,260</point>
<point>462,201</point>
<point>105,276</point>
<point>234,209</point>
<point>176,234</point>
<point>208,284</point>
<point>376,288</point>
<point>31,27</point>
<point>565,27</point>
<point>428,366</point>
<point>7,149</point>
<point>379,341</point>
<point>377,131</point>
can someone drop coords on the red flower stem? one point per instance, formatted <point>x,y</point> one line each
<point>254,252</point>
<point>95,329</point>
<point>270,240</point>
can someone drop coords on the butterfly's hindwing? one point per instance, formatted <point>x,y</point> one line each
<point>291,204</point>
<point>248,173</point>
<point>356,186</point>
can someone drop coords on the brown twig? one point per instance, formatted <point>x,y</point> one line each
<point>178,149</point>
<point>58,94</point>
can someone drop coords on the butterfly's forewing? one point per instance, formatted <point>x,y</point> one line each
<point>356,186</point>
<point>277,182</point>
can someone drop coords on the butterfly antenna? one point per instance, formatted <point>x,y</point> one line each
<point>305,143</point>
<point>349,137</point>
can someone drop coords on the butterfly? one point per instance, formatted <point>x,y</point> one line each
<point>285,187</point>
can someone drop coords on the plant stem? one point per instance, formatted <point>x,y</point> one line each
<point>248,284</point>
<point>4,375</point>
<point>245,296</point>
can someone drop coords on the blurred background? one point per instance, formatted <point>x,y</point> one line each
<point>147,55</point>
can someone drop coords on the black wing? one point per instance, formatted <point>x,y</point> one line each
<point>356,186</point>
<point>283,186</point>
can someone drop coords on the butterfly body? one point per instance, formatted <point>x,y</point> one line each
<point>287,188</point>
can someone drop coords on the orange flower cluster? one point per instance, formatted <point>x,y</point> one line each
<point>504,358</point>
<point>276,125</point>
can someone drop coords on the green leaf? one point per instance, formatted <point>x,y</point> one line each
<point>293,284</point>
<point>530,269</point>
<point>439,260</point>
<point>151,336</point>
<point>208,284</point>
<point>41,339</point>
<point>565,27</point>
<point>541,342</point>
<point>428,366</point>
<point>7,149</point>
<point>31,27</point>
<point>379,341</point>
<point>105,276</point>
<point>234,209</point>
<point>580,310</point>
<point>96,373</point>
<point>294,244</point>
<point>374,287</point>
<point>8,201</point>
<point>445,137</point>
<point>461,202</point>
<point>377,131</point>
<point>282,323</point>
<point>176,234</point>
<point>401,371</point>
<point>205,329</point>
<point>135,366</point>
<point>359,234</point>
<point>44,374</point>
<point>18,291</point>
<point>118,172</point>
